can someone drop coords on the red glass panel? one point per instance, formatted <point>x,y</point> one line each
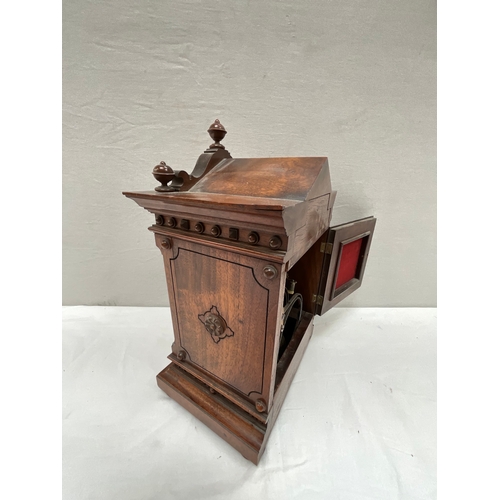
<point>348,262</point>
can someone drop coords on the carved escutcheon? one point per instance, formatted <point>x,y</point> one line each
<point>215,325</point>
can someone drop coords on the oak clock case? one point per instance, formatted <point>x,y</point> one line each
<point>249,260</point>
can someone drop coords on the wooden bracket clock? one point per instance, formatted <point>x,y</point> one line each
<point>249,259</point>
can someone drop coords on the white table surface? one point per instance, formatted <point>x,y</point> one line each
<point>359,421</point>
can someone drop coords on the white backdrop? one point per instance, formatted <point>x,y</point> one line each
<point>143,80</point>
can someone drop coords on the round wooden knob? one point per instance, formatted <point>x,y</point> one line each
<point>215,231</point>
<point>260,405</point>
<point>171,222</point>
<point>275,242</point>
<point>159,220</point>
<point>253,238</point>
<point>270,272</point>
<point>199,227</point>
<point>166,243</point>
<point>181,355</point>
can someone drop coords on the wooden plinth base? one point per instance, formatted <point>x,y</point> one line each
<point>242,431</point>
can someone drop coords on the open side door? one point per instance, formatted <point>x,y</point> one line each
<point>345,251</point>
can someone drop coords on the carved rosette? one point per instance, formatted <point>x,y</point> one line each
<point>215,325</point>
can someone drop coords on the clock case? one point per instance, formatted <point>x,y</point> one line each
<point>233,358</point>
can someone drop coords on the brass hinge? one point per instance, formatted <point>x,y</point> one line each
<point>318,299</point>
<point>326,248</point>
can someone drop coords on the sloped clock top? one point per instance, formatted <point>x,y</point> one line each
<point>278,178</point>
<point>255,184</point>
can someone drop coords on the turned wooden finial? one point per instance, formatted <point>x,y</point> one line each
<point>217,133</point>
<point>164,174</point>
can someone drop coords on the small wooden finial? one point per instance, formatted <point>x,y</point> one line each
<point>217,133</point>
<point>164,174</point>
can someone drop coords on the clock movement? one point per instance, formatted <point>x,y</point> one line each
<point>250,259</point>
